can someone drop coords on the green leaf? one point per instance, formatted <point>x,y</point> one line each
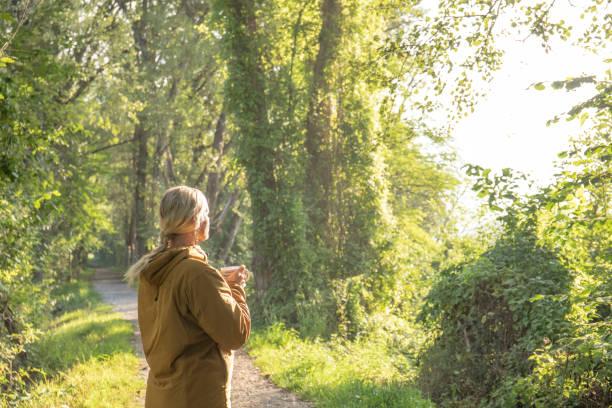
<point>539,86</point>
<point>5,60</point>
<point>6,17</point>
<point>558,84</point>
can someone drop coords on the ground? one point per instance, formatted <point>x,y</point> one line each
<point>250,388</point>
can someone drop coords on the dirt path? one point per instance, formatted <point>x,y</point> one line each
<point>250,389</point>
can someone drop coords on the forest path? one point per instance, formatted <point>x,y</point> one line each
<point>250,389</point>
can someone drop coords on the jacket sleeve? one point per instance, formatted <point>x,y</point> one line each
<point>220,309</point>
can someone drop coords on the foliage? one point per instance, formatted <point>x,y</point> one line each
<point>50,211</point>
<point>305,123</point>
<point>528,322</point>
<point>346,258</point>
<point>576,223</point>
<point>487,320</point>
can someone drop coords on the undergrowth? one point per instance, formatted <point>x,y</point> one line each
<point>336,373</point>
<point>83,356</point>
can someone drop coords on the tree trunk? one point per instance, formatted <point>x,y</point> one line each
<point>230,238</point>
<point>218,218</point>
<point>213,182</point>
<point>256,149</point>
<point>319,127</point>
<point>170,174</point>
<point>129,238</point>
<point>141,33</point>
<point>139,216</point>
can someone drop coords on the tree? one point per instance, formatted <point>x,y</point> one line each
<point>275,233</point>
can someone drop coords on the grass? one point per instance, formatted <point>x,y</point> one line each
<point>85,357</point>
<point>335,374</point>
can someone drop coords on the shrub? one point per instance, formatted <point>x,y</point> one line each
<point>488,322</point>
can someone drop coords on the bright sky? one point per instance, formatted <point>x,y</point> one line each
<point>508,127</point>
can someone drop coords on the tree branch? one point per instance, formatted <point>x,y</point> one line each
<point>110,146</point>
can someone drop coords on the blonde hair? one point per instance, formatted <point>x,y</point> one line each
<point>182,210</point>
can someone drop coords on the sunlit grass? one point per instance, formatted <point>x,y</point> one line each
<point>86,356</point>
<point>105,381</point>
<point>335,374</point>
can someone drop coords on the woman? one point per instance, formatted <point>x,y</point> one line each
<point>191,315</point>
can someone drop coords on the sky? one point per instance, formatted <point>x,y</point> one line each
<point>508,127</point>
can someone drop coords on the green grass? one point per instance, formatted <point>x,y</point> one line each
<point>335,374</point>
<point>85,356</point>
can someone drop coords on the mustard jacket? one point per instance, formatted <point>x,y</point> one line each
<point>190,319</point>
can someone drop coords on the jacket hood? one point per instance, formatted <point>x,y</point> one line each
<point>159,267</point>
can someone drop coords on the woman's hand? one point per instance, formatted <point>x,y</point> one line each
<point>235,274</point>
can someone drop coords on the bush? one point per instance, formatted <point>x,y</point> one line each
<point>488,321</point>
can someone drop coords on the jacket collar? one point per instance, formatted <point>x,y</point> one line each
<point>161,264</point>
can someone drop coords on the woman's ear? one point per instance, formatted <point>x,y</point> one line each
<point>206,225</point>
<point>203,230</point>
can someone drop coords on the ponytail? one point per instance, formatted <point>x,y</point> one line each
<point>133,273</point>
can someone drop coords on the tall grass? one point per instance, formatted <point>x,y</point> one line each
<point>336,373</point>
<point>84,357</point>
